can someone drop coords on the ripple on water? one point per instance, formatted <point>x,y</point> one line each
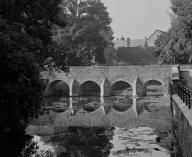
<point>131,141</point>
<point>136,142</point>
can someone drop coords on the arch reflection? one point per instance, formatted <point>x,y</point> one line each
<point>112,111</point>
<point>92,104</point>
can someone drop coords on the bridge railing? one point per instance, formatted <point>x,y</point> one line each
<point>185,94</point>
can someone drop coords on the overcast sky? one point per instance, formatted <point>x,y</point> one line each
<point>138,18</point>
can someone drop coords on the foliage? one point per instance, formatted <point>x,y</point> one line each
<point>26,46</point>
<point>175,47</point>
<point>37,18</point>
<point>20,84</point>
<point>88,31</point>
<point>109,55</point>
<point>13,143</point>
<point>76,142</point>
<point>84,142</point>
<point>135,56</point>
<point>161,43</point>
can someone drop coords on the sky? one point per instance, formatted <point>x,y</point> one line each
<point>138,19</point>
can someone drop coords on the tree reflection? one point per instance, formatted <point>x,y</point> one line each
<point>13,143</point>
<point>18,144</point>
<point>76,142</point>
<point>84,142</point>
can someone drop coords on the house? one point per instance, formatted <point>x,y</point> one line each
<point>144,43</point>
<point>153,37</point>
<point>119,43</point>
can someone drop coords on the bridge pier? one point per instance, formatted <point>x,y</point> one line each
<point>134,106</point>
<point>166,88</point>
<point>105,88</point>
<point>74,88</point>
<point>138,88</point>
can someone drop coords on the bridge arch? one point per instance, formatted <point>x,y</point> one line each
<point>57,88</point>
<point>90,88</point>
<point>121,88</point>
<point>154,87</point>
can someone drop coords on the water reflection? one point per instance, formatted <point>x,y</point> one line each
<point>75,142</point>
<point>95,127</point>
<point>92,104</point>
<point>136,142</point>
<point>89,112</point>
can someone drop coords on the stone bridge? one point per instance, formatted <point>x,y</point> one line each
<point>104,78</point>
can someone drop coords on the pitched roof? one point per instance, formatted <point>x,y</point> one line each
<point>157,30</point>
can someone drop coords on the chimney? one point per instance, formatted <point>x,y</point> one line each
<point>128,42</point>
<point>146,43</point>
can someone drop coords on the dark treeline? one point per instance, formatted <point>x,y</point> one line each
<point>26,49</point>
<point>37,35</point>
<point>26,46</point>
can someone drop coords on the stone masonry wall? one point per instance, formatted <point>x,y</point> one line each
<point>182,122</point>
<point>113,74</point>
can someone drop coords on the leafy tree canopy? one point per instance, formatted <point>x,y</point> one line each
<point>26,46</point>
<point>175,46</point>
<point>37,18</point>
<point>20,84</point>
<point>88,31</point>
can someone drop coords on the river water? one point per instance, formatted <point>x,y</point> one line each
<point>103,127</point>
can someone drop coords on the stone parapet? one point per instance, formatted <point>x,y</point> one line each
<point>182,122</point>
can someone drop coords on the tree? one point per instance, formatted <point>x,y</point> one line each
<point>88,31</point>
<point>26,46</point>
<point>20,84</point>
<point>36,18</point>
<point>161,43</point>
<point>175,47</point>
